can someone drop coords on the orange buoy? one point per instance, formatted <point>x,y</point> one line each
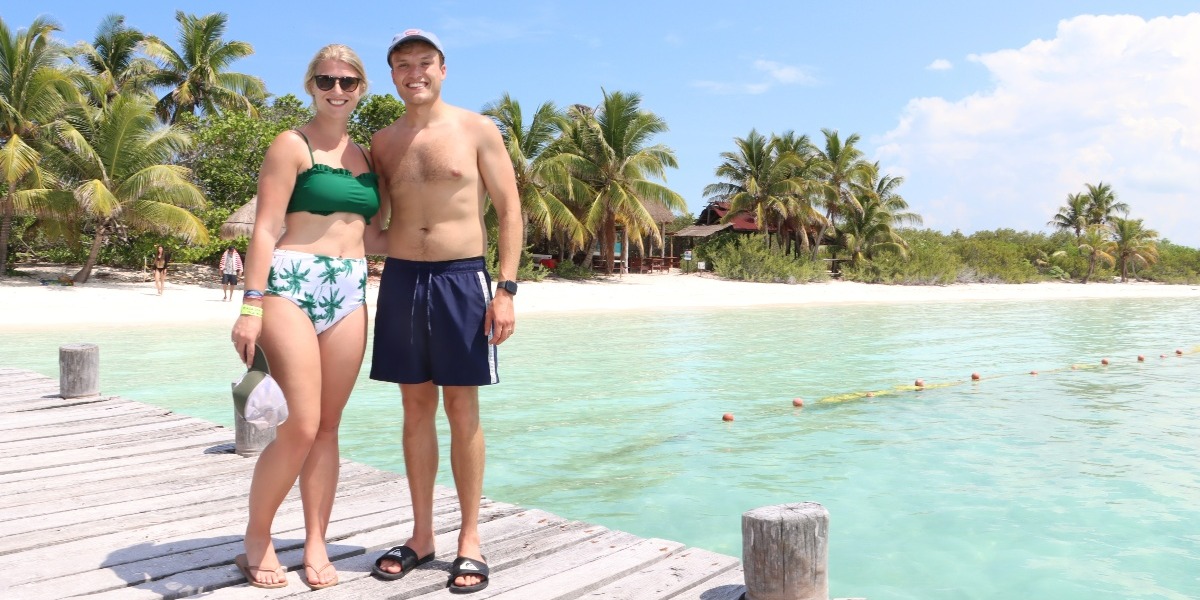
<point>1141,358</point>
<point>974,376</point>
<point>870,394</point>
<point>1033,372</point>
<point>797,401</point>
<point>919,383</point>
<point>727,417</point>
<point>1178,352</point>
<point>1162,355</point>
<point>1104,361</point>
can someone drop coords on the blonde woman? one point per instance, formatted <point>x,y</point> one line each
<point>304,305</point>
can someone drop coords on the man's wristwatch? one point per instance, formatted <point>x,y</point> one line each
<point>508,286</point>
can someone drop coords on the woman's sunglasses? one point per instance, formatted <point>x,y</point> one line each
<point>325,82</point>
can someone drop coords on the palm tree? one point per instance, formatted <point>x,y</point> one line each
<point>1102,203</point>
<point>538,178</point>
<point>758,179</point>
<point>611,165</point>
<point>197,73</point>
<point>864,234</point>
<point>799,214</point>
<point>116,159</point>
<point>1073,216</point>
<point>1133,243</point>
<point>844,173</point>
<point>112,63</point>
<point>1097,244</point>
<point>33,92</point>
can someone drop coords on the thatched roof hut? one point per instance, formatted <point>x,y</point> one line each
<point>241,222</point>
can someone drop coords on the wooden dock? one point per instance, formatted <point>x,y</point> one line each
<point>105,497</point>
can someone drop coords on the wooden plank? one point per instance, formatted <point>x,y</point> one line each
<point>681,571</point>
<point>86,522</point>
<point>181,536</point>
<point>79,493</point>
<point>192,439</point>
<point>210,566</point>
<point>105,409</point>
<point>729,585</point>
<point>556,583</point>
<point>112,425</point>
<point>106,468</point>
<point>165,427</point>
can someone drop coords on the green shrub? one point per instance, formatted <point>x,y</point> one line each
<point>931,261</point>
<point>749,259</point>
<point>1176,264</point>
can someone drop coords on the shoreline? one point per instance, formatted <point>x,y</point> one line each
<point>30,305</point>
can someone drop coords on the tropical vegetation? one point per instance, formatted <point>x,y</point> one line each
<point>124,141</point>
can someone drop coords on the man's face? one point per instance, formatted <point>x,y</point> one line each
<point>417,72</point>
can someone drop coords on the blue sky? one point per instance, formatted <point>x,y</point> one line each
<point>993,112</point>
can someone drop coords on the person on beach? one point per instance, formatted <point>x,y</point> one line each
<point>231,271</point>
<point>438,323</point>
<point>304,305</point>
<point>159,263</point>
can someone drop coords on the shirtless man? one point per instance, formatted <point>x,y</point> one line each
<point>437,323</point>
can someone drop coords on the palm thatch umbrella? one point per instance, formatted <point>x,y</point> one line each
<point>241,222</point>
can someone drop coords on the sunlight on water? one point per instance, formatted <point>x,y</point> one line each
<point>1075,483</point>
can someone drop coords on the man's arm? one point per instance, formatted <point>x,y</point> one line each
<point>375,235</point>
<point>500,181</point>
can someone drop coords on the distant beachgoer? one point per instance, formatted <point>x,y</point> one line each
<point>159,263</point>
<point>438,323</point>
<point>305,306</point>
<point>231,271</point>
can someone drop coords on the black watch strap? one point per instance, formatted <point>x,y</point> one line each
<point>508,286</point>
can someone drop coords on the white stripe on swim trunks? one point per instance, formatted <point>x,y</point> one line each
<point>483,287</point>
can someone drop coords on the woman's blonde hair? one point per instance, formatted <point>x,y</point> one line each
<point>340,52</point>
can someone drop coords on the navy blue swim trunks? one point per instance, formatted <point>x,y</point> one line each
<point>429,323</point>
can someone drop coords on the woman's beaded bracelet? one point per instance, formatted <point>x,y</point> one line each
<point>251,310</point>
<point>252,294</point>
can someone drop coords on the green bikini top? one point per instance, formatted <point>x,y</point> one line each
<point>324,190</point>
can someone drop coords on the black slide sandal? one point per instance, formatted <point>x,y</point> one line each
<point>404,555</point>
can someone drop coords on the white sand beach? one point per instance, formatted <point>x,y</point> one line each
<point>26,304</point>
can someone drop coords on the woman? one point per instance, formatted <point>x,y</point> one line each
<point>160,260</point>
<point>304,305</point>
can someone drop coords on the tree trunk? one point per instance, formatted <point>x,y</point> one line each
<point>610,237</point>
<point>1091,268</point>
<point>93,255</point>
<point>5,232</point>
<point>1124,270</point>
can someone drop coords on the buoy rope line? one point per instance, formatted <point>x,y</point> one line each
<point>921,384</point>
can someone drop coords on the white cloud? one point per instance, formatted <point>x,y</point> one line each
<point>940,64</point>
<point>1110,98</point>
<point>777,73</point>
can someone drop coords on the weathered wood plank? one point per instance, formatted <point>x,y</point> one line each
<point>166,427</point>
<point>110,425</point>
<point>192,439</point>
<point>104,409</point>
<point>208,567</point>
<point>729,585</point>
<point>557,583</point>
<point>108,467</point>
<point>681,571</point>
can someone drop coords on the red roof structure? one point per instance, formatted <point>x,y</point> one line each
<point>743,222</point>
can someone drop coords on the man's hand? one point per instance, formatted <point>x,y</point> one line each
<point>500,321</point>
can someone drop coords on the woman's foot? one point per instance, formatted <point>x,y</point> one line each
<point>319,572</point>
<point>260,565</point>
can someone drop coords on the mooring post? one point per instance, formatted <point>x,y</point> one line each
<point>785,552</point>
<point>249,440</point>
<point>78,370</point>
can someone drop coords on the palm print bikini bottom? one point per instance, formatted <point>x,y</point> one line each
<point>324,287</point>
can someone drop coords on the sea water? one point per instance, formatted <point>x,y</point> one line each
<point>1079,482</point>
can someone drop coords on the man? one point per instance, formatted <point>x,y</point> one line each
<point>231,271</point>
<point>437,323</point>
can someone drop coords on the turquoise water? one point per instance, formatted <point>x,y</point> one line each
<point>1072,484</point>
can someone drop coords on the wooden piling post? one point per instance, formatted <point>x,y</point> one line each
<point>249,440</point>
<point>78,370</point>
<point>785,552</point>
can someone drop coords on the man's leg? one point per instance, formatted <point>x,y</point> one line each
<point>420,463</point>
<point>466,460</point>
